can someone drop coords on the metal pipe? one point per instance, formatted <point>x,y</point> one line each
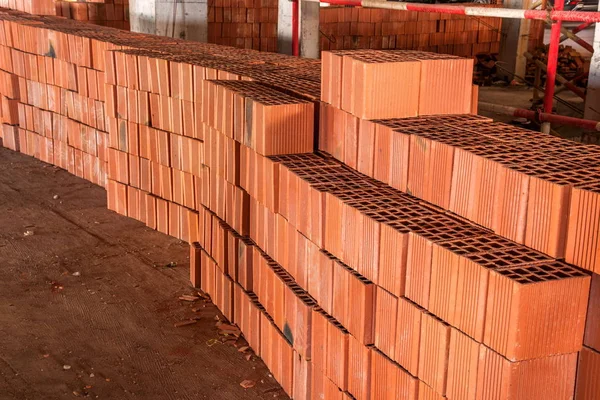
<point>572,81</point>
<point>575,30</point>
<point>536,4</point>
<point>540,116</point>
<point>552,59</point>
<point>555,15</point>
<point>558,99</point>
<point>564,81</point>
<point>570,35</point>
<point>295,28</point>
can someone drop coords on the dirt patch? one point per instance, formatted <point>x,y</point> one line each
<point>89,301</point>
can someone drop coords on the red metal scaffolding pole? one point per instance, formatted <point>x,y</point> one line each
<point>295,28</point>
<point>556,16</point>
<point>579,28</point>
<point>540,116</point>
<point>552,60</point>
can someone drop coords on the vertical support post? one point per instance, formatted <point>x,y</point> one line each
<point>142,16</point>
<point>298,28</point>
<point>295,28</point>
<point>552,60</point>
<point>511,41</point>
<point>592,100</point>
<point>552,65</point>
<point>195,17</point>
<point>284,26</point>
<point>310,13</point>
<point>184,19</point>
<point>523,41</point>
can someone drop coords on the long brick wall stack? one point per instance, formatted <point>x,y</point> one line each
<point>349,282</point>
<point>252,24</point>
<point>530,188</point>
<point>39,7</point>
<point>246,24</point>
<point>344,28</point>
<point>113,13</point>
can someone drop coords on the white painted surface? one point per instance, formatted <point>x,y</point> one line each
<point>495,12</point>
<point>284,27</point>
<point>142,16</point>
<point>586,34</point>
<point>309,30</point>
<point>592,102</point>
<point>511,41</point>
<point>184,19</point>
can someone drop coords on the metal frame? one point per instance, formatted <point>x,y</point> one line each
<point>554,17</point>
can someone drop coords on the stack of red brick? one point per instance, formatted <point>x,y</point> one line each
<point>247,24</point>
<point>530,188</point>
<point>363,28</point>
<point>53,79</point>
<point>114,13</point>
<point>345,286</point>
<point>39,7</point>
<point>53,97</point>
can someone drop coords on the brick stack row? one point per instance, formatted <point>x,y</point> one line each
<point>246,24</point>
<point>53,87</point>
<point>39,7</point>
<point>530,188</point>
<point>345,28</point>
<point>346,286</point>
<point>114,13</point>
<point>53,98</point>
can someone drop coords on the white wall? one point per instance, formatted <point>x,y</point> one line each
<point>185,19</point>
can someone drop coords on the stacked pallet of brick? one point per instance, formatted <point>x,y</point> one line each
<point>114,13</point>
<point>482,171</point>
<point>246,24</point>
<point>344,285</point>
<point>345,28</point>
<point>289,273</point>
<point>530,188</point>
<point>39,7</point>
<point>53,98</point>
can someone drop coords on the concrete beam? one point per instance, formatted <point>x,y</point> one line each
<point>514,41</point>
<point>592,100</point>
<point>142,16</point>
<point>309,29</point>
<point>284,27</point>
<point>184,19</point>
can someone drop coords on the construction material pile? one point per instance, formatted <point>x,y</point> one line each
<point>39,7</point>
<point>114,13</point>
<point>348,28</point>
<point>572,65</point>
<point>416,256</point>
<point>246,24</point>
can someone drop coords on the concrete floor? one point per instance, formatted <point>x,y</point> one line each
<point>113,325</point>
<point>520,97</point>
